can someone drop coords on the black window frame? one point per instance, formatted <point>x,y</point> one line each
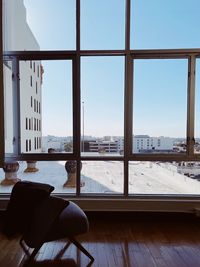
<point>129,55</point>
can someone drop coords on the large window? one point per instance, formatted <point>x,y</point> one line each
<point>102,87</point>
<point>52,87</point>
<point>102,24</point>
<point>163,178</point>
<point>103,96</point>
<point>39,25</point>
<point>159,105</point>
<point>158,24</point>
<point>100,177</point>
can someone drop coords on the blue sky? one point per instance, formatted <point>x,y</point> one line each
<point>160,103</point>
<point>165,24</point>
<point>159,86</point>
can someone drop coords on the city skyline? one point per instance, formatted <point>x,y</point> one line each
<point>115,136</point>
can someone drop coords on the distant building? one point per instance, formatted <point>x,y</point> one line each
<point>54,142</point>
<point>19,37</point>
<point>145,143</point>
<point>107,146</point>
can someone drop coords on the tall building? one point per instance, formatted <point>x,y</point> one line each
<point>19,37</point>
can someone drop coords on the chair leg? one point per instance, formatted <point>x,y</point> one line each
<point>21,242</point>
<point>62,251</point>
<point>35,251</point>
<point>32,255</point>
<point>79,246</point>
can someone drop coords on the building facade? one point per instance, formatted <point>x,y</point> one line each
<point>19,37</point>
<point>145,143</point>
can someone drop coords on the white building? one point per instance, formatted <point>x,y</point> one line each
<point>19,37</point>
<point>147,144</point>
<point>120,142</point>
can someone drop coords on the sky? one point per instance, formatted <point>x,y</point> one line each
<point>160,86</point>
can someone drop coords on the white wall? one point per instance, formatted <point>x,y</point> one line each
<point>18,37</point>
<point>28,112</point>
<point>16,32</point>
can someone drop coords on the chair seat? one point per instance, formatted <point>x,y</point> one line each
<point>56,218</point>
<point>72,221</point>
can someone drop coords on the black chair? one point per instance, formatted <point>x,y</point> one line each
<point>42,218</point>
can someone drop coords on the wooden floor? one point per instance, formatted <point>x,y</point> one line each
<point>114,242</point>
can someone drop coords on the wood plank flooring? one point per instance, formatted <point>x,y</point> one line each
<point>119,242</point>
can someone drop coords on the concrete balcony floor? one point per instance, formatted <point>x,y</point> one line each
<point>107,177</point>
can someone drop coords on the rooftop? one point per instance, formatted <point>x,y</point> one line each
<point>107,177</point>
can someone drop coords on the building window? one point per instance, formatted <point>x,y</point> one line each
<point>34,105</point>
<point>26,145</point>
<point>26,123</point>
<point>36,87</point>
<point>31,101</point>
<point>29,144</point>
<point>38,71</point>
<point>39,141</point>
<point>31,80</point>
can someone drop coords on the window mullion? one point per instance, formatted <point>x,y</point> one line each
<point>127,25</point>
<point>2,140</point>
<point>128,116</point>
<point>16,108</point>
<point>127,97</point>
<point>190,107</point>
<point>77,106</point>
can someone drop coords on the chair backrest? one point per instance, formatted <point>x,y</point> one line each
<point>25,198</point>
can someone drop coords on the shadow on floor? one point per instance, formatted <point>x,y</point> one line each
<point>51,263</point>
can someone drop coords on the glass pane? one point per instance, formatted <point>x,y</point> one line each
<point>164,177</point>
<point>50,172</point>
<point>102,95</point>
<point>102,177</point>
<point>103,24</point>
<point>197,109</point>
<point>46,106</point>
<point>160,105</point>
<point>8,106</point>
<point>39,25</point>
<point>159,24</point>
